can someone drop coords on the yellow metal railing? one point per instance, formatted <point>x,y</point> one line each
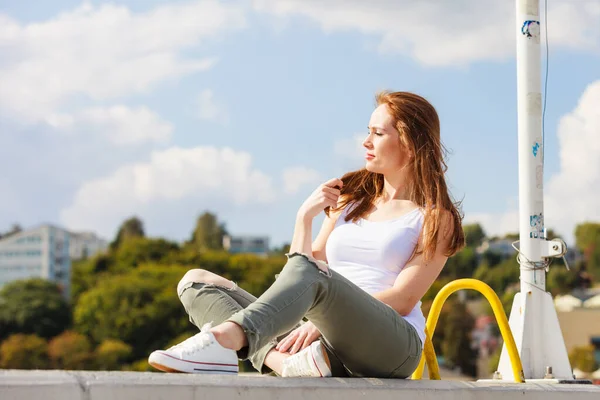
<point>460,284</point>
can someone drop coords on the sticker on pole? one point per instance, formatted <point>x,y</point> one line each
<point>536,226</point>
<point>536,148</point>
<point>531,30</point>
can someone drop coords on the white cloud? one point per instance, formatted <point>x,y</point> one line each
<point>104,52</point>
<point>208,109</point>
<point>571,196</point>
<point>295,178</point>
<point>121,125</point>
<point>495,224</point>
<point>440,33</point>
<point>350,152</point>
<point>168,178</point>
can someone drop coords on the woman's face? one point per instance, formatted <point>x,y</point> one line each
<point>384,151</point>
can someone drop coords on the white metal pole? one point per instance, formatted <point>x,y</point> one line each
<point>533,318</point>
<point>529,106</point>
<point>531,200</point>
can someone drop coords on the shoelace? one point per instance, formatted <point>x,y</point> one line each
<point>196,342</point>
<point>300,364</point>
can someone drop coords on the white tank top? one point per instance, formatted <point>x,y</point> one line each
<point>372,254</point>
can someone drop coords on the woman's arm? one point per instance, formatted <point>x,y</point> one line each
<point>325,195</point>
<point>417,276</point>
<point>301,242</point>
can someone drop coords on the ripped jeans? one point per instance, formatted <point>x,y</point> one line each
<point>363,336</point>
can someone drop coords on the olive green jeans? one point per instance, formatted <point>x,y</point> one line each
<point>363,336</point>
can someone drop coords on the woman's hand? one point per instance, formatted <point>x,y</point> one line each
<point>298,339</point>
<point>326,195</point>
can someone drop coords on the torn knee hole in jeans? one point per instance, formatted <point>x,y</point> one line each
<point>191,283</point>
<point>321,265</point>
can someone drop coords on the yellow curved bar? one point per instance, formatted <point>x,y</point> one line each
<point>434,313</point>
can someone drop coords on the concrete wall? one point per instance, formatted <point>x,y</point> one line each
<point>76,385</point>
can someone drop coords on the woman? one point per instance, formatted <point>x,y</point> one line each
<point>388,231</point>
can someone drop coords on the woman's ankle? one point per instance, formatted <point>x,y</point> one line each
<point>230,335</point>
<point>274,360</point>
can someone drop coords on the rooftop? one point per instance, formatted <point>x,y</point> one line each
<point>80,385</point>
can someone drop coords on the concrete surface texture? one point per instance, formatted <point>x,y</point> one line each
<point>80,385</point>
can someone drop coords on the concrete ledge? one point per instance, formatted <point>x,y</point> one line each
<point>80,385</point>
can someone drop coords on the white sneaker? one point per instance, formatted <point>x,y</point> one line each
<point>199,354</point>
<point>308,362</point>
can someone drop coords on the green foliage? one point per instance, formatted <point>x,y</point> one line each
<point>511,236</point>
<point>474,234</point>
<point>83,277</point>
<point>582,357</point>
<point>70,350</point>
<point>587,236</point>
<point>140,308</point>
<point>494,360</point>
<point>461,265</point>
<point>33,306</point>
<point>24,352</point>
<point>208,233</point>
<point>253,273</point>
<point>16,228</point>
<point>131,228</point>
<point>139,366</point>
<point>506,298</point>
<point>112,354</point>
<point>140,250</point>
<point>500,276</point>
<point>456,344</point>
<point>559,280</point>
<point>435,289</point>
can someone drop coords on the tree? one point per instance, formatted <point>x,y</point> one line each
<point>474,234</point>
<point>139,250</point>
<point>24,352</point>
<point>131,228</point>
<point>500,276</point>
<point>559,280</point>
<point>140,308</point>
<point>512,236</point>
<point>112,354</point>
<point>70,350</point>
<point>587,236</point>
<point>456,345</point>
<point>461,265</point>
<point>15,228</point>
<point>208,234</point>
<point>33,306</point>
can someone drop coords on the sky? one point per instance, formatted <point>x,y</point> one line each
<point>167,109</point>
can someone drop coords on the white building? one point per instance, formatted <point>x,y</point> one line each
<point>502,247</point>
<point>41,252</point>
<point>246,244</point>
<point>85,244</point>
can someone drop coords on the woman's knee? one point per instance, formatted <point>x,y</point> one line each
<point>206,277</point>
<point>307,262</point>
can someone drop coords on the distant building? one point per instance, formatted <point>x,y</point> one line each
<point>41,252</point>
<point>246,244</point>
<point>502,247</point>
<point>581,327</point>
<point>86,244</point>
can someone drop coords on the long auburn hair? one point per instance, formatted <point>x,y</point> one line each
<point>418,126</point>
